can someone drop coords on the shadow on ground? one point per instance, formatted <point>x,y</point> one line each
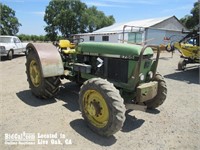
<point>28,98</point>
<point>153,111</point>
<point>69,93</point>
<point>4,58</point>
<point>190,75</point>
<point>131,123</point>
<point>80,127</point>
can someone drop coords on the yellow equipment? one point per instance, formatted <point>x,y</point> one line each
<point>189,49</point>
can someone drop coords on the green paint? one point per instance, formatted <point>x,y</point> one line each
<point>128,90</point>
<point>112,48</point>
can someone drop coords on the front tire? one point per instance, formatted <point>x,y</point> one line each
<point>161,94</point>
<point>102,106</point>
<point>41,87</point>
<point>182,64</point>
<point>10,55</point>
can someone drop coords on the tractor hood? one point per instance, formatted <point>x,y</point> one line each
<point>111,49</point>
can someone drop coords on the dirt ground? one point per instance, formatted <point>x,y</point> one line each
<point>57,123</point>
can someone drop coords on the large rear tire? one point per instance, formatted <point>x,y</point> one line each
<point>161,94</point>
<point>102,106</point>
<point>41,87</point>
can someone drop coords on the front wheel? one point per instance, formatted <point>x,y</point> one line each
<point>41,87</point>
<point>10,55</point>
<point>182,64</point>
<point>161,93</point>
<point>102,106</point>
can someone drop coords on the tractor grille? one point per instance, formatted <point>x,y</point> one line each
<point>118,70</point>
<point>114,69</point>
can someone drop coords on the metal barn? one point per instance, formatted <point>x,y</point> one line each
<point>148,31</point>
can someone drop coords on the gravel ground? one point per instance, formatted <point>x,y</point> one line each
<point>174,125</point>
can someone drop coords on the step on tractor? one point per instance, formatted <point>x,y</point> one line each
<point>114,77</point>
<point>188,47</point>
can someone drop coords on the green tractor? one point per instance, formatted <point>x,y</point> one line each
<point>114,77</point>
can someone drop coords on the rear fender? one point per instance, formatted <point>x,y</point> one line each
<point>50,60</point>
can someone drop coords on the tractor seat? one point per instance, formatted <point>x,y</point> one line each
<point>66,44</point>
<point>69,51</point>
<point>67,47</point>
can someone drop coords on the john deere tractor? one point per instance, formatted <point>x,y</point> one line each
<point>114,77</point>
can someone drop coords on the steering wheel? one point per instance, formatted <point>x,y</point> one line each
<point>78,40</point>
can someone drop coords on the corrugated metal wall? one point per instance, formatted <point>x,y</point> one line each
<point>160,36</point>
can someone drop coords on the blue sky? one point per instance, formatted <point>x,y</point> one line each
<point>30,13</point>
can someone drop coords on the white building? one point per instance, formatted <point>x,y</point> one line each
<point>151,31</point>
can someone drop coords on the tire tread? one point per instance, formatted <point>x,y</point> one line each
<point>116,105</point>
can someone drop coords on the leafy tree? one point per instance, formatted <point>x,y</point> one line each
<point>22,37</point>
<point>68,17</point>
<point>41,38</point>
<point>94,19</point>
<point>63,17</point>
<point>192,21</point>
<point>9,24</point>
<point>34,38</point>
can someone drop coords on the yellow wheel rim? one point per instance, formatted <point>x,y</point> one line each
<point>95,108</point>
<point>35,74</point>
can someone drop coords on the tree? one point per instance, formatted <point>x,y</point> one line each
<point>192,21</point>
<point>71,17</point>
<point>63,17</point>
<point>95,19</point>
<point>9,24</point>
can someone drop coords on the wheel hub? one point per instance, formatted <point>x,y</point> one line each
<point>35,73</point>
<point>96,108</point>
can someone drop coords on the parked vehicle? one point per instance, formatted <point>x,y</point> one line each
<point>11,45</point>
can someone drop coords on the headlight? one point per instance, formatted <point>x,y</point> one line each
<point>150,74</point>
<point>141,77</point>
<point>2,48</point>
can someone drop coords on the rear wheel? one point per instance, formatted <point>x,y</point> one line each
<point>40,86</point>
<point>102,106</point>
<point>182,64</point>
<point>161,94</point>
